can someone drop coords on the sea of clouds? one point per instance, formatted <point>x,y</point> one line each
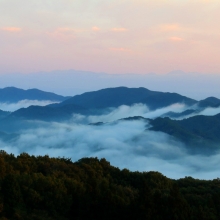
<point>125,143</point>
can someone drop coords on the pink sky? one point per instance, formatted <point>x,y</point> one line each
<point>112,36</point>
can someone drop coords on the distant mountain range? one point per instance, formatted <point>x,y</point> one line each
<point>97,102</point>
<point>196,130</point>
<point>13,95</point>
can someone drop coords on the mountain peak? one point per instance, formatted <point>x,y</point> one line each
<point>209,102</point>
<point>13,94</point>
<point>115,97</point>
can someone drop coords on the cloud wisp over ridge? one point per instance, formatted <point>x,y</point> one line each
<point>23,104</point>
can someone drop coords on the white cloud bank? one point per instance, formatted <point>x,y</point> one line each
<point>125,111</point>
<point>142,110</point>
<point>125,144</point>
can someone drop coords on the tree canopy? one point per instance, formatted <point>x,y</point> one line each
<point>56,188</point>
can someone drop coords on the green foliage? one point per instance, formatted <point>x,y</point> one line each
<point>56,188</point>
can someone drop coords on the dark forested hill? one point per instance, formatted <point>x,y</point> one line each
<point>197,129</point>
<point>47,113</point>
<point>12,94</point>
<point>56,188</point>
<point>209,102</point>
<point>96,102</point>
<point>114,97</point>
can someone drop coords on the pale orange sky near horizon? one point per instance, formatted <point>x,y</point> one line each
<point>112,36</point>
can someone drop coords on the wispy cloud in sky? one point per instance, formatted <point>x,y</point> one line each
<point>96,28</point>
<point>176,39</point>
<point>77,35</point>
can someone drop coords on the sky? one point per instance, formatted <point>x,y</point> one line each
<point>111,36</point>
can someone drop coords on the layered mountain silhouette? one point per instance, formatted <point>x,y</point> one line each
<point>12,95</point>
<point>99,101</point>
<point>198,130</point>
<point>115,97</point>
<point>48,113</point>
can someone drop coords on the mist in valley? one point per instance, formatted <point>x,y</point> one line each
<point>10,107</point>
<point>125,143</point>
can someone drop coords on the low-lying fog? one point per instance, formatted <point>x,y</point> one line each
<point>120,112</point>
<point>126,144</point>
